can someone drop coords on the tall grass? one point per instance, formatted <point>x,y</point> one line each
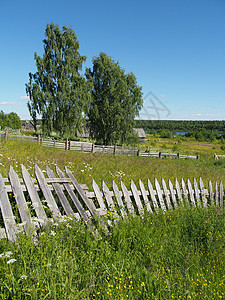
<point>175,255</point>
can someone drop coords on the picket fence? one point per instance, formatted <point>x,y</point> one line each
<point>29,203</point>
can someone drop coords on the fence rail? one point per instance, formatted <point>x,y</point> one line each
<point>93,148</point>
<point>27,203</point>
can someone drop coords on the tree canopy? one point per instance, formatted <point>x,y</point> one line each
<point>57,91</point>
<point>115,101</point>
<point>11,120</point>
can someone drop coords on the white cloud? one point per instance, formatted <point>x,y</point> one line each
<point>9,103</point>
<point>24,98</point>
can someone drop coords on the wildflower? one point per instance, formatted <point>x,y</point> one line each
<point>82,170</point>
<point>11,261</point>
<point>52,233</point>
<point>8,254</point>
<point>23,277</point>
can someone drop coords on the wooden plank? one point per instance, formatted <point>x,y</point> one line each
<point>160,195</point>
<point>20,200</point>
<point>58,189</point>
<point>127,199</point>
<point>197,194</point>
<point>167,194</point>
<point>77,204</point>
<point>47,192</point>
<point>203,192</point>
<point>99,197</point>
<point>3,233</point>
<point>81,193</point>
<point>191,192</point>
<point>185,191</point>
<point>109,199</point>
<point>221,194</point>
<point>32,191</point>
<point>211,194</point>
<point>7,214</point>
<point>137,198</point>
<point>145,197</point>
<point>119,200</point>
<point>152,194</point>
<point>178,192</point>
<point>216,194</point>
<point>172,193</point>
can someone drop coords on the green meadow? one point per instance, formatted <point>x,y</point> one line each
<point>174,255</point>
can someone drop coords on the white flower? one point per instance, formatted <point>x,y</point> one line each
<point>82,170</point>
<point>8,254</point>
<point>1,255</point>
<point>48,265</point>
<point>52,233</point>
<point>68,225</point>
<point>23,277</point>
<point>11,261</point>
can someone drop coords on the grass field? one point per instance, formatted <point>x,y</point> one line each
<point>176,255</point>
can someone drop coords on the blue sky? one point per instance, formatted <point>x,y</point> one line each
<point>175,48</point>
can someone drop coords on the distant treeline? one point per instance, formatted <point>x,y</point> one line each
<point>186,126</point>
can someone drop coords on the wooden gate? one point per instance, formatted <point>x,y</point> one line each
<point>27,203</point>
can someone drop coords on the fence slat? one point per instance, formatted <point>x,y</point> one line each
<point>109,199</point>
<point>32,191</point>
<point>185,191</point>
<point>145,196</point>
<point>159,194</point>
<point>137,198</point>
<point>211,194</point>
<point>47,192</point>
<point>99,197</point>
<point>172,193</point>
<point>20,200</point>
<point>167,194</point>
<point>58,189</point>
<point>197,195</point>
<point>221,194</point>
<point>203,192</point>
<point>178,192</point>
<point>127,199</point>
<point>7,213</point>
<point>152,194</point>
<point>119,199</point>
<point>191,192</point>
<point>216,194</point>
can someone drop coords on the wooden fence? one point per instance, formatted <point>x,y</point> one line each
<point>88,147</point>
<point>28,203</point>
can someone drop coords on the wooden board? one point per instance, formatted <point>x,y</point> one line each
<point>20,200</point>
<point>152,194</point>
<point>137,198</point>
<point>167,194</point>
<point>145,197</point>
<point>197,194</point>
<point>160,195</point>
<point>59,191</point>
<point>127,199</point>
<point>47,193</point>
<point>7,213</point>
<point>119,200</point>
<point>172,193</point>
<point>203,192</point>
<point>191,192</point>
<point>32,191</point>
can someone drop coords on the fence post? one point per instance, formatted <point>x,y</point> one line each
<point>178,155</point>
<point>67,142</point>
<point>93,148</point>
<point>82,147</point>
<point>6,134</point>
<point>198,156</point>
<point>114,151</point>
<point>160,154</point>
<point>138,153</point>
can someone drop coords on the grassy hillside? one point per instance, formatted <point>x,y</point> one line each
<point>176,255</point>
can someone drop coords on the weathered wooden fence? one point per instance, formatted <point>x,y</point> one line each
<point>28,203</point>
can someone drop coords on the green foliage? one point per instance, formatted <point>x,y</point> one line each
<point>116,101</point>
<point>176,255</point>
<point>57,91</point>
<point>11,120</point>
<point>165,133</point>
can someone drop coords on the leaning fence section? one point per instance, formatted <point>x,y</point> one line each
<point>28,203</point>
